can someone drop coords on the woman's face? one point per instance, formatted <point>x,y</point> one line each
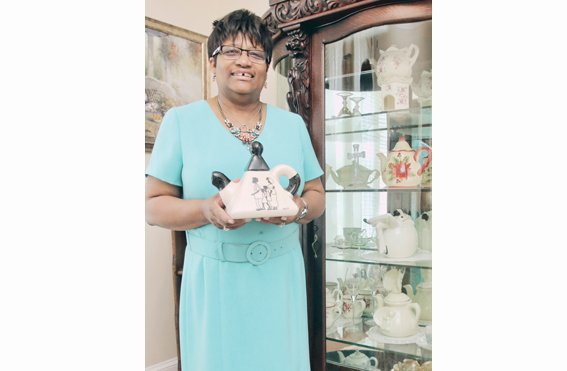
<point>241,75</point>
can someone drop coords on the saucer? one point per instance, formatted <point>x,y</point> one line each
<point>375,334</point>
<point>422,342</point>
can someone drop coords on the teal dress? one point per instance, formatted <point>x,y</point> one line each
<point>237,316</point>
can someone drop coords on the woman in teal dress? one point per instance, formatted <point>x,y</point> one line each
<point>236,313</point>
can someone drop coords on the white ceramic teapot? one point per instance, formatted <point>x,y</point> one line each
<point>358,359</point>
<point>401,169</point>
<point>423,89</point>
<point>395,65</point>
<point>422,297</point>
<point>396,315</point>
<point>424,226</point>
<point>259,193</point>
<point>396,234</point>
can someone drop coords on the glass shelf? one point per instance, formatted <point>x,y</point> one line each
<point>413,121</point>
<point>357,336</point>
<point>424,189</point>
<point>421,259</point>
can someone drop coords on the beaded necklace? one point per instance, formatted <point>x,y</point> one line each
<point>245,135</point>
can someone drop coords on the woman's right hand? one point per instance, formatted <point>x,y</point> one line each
<point>214,211</point>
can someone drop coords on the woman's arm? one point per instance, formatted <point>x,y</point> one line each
<point>314,196</point>
<point>166,208</point>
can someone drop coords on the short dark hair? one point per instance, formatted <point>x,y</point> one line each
<point>242,22</point>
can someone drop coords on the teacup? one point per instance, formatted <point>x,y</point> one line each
<point>355,236</point>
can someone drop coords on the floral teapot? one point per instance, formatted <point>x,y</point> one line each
<point>396,234</point>
<point>259,193</point>
<point>358,359</point>
<point>395,65</point>
<point>353,176</point>
<point>396,315</point>
<point>401,168</point>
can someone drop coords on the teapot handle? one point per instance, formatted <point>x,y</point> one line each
<point>291,174</point>
<point>376,175</point>
<point>417,309</point>
<point>375,365</point>
<point>427,159</point>
<point>415,50</point>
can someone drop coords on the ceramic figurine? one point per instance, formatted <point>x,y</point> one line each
<point>259,193</point>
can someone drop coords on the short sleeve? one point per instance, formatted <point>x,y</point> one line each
<point>311,166</point>
<point>166,159</point>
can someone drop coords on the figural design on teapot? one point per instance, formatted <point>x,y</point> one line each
<point>396,234</point>
<point>259,194</point>
<point>401,169</point>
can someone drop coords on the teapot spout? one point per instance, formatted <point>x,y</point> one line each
<point>334,175</point>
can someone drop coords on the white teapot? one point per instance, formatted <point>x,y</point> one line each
<point>396,234</point>
<point>424,226</point>
<point>423,298</point>
<point>401,169</point>
<point>423,89</point>
<point>358,359</point>
<point>395,65</point>
<point>259,193</point>
<point>396,315</point>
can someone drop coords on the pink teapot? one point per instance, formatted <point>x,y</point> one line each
<point>259,193</point>
<point>401,169</point>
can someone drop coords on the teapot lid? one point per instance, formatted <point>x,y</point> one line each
<point>397,298</point>
<point>402,145</point>
<point>357,355</point>
<point>257,162</point>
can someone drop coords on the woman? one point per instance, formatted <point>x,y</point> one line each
<point>234,315</point>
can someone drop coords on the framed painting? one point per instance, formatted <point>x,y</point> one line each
<point>176,71</point>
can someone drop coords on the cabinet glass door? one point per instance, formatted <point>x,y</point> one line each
<point>378,219</point>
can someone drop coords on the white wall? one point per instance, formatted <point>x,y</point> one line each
<point>196,16</point>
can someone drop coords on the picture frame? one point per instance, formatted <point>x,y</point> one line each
<point>175,72</point>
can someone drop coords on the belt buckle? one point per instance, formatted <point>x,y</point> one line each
<point>258,252</point>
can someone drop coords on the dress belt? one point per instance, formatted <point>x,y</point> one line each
<point>256,253</point>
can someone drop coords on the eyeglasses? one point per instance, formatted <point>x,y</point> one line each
<point>234,52</point>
